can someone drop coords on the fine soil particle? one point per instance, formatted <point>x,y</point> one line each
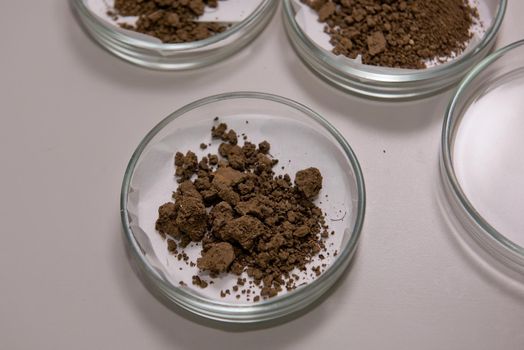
<point>171,21</point>
<point>197,281</point>
<point>246,218</point>
<point>400,34</point>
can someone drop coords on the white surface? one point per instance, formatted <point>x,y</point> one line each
<point>71,115</point>
<point>488,160</point>
<point>307,20</point>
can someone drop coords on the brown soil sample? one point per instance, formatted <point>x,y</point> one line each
<point>400,34</point>
<point>309,182</point>
<point>172,21</point>
<point>217,258</point>
<point>256,222</point>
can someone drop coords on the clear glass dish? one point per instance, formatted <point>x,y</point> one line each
<point>482,167</point>
<point>297,134</point>
<point>391,83</point>
<point>149,52</point>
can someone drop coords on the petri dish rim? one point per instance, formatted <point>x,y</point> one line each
<point>451,122</point>
<point>272,308</point>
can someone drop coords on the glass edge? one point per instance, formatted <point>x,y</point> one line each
<point>213,308</point>
<point>448,128</point>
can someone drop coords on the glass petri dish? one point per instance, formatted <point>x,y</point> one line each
<point>299,138</point>
<point>246,23</point>
<point>482,168</point>
<point>381,82</point>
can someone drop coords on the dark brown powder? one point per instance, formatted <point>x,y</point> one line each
<point>246,218</point>
<point>400,34</point>
<point>171,21</point>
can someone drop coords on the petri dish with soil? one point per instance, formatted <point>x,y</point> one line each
<point>242,207</point>
<point>392,49</point>
<point>168,35</point>
<point>482,168</point>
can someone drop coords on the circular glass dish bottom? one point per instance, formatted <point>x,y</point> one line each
<point>299,138</point>
<point>482,166</point>
<point>306,35</point>
<point>151,53</point>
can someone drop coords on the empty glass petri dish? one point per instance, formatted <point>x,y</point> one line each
<point>482,167</point>
<point>299,138</point>
<point>312,45</point>
<point>247,18</point>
